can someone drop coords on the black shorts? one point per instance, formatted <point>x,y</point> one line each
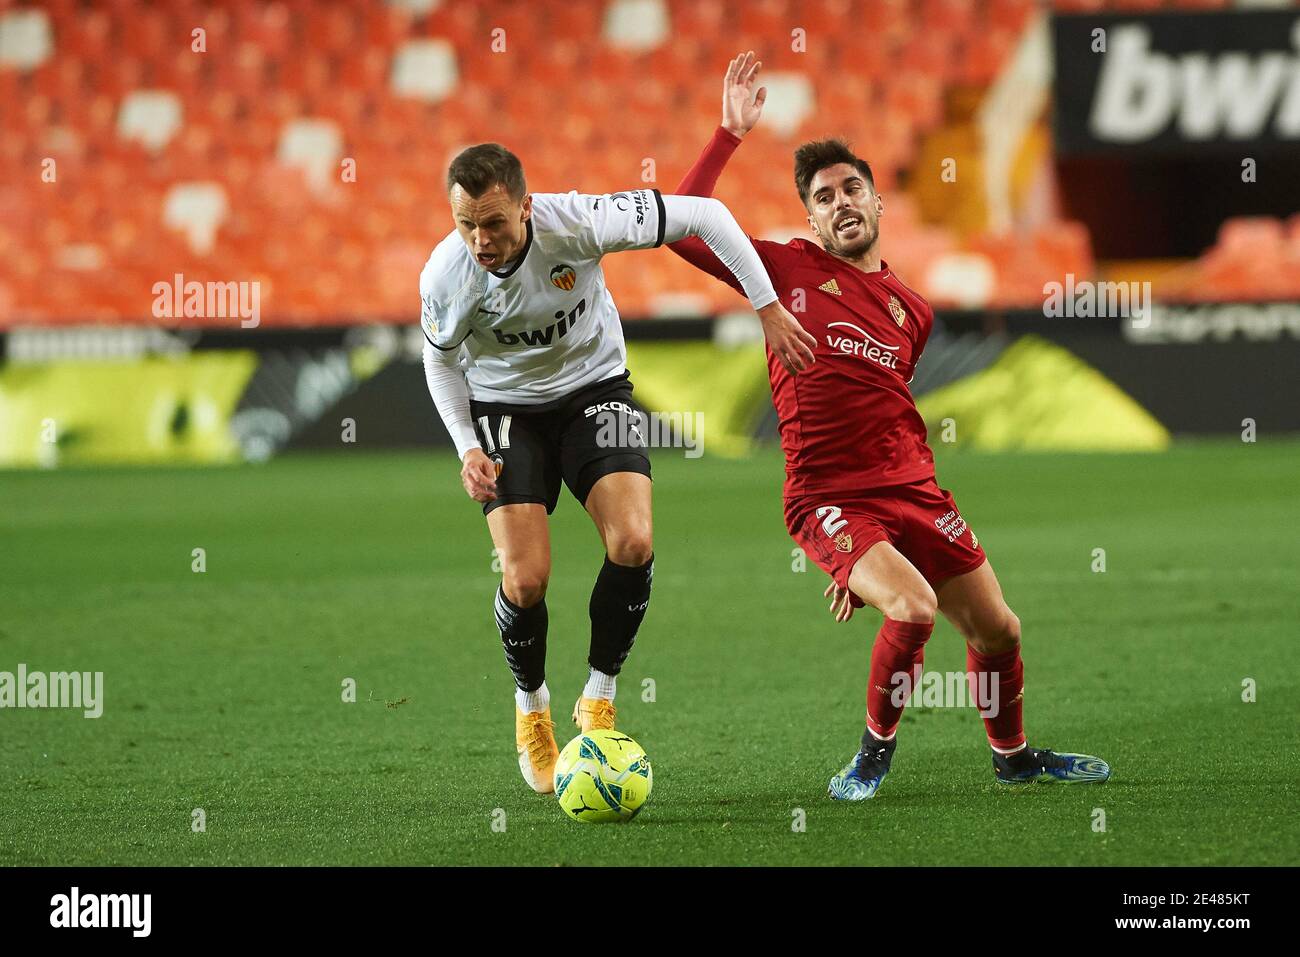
<point>578,439</point>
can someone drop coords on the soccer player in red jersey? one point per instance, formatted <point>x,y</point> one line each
<point>860,492</point>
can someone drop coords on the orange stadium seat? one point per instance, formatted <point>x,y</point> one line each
<point>581,110</point>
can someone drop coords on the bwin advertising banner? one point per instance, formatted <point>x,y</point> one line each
<point>1171,83</point>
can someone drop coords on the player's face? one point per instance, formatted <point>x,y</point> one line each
<point>492,225</point>
<point>844,211</point>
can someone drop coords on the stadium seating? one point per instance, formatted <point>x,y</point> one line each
<point>124,121</point>
<point>1254,258</point>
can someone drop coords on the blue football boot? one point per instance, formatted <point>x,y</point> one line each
<point>1040,764</point>
<point>861,777</point>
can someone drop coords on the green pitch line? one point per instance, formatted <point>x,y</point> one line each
<point>223,690</point>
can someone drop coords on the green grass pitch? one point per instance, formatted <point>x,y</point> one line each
<point>223,690</point>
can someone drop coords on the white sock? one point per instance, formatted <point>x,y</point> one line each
<point>599,685</point>
<point>528,701</point>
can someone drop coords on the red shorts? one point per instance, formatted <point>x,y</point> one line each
<point>920,520</point>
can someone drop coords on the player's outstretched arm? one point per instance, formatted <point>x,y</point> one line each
<point>740,111</point>
<point>742,104</point>
<point>712,223</point>
<point>790,342</point>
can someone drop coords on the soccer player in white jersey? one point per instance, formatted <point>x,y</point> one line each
<point>525,361</point>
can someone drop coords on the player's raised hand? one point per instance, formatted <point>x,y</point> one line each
<point>741,104</point>
<point>478,474</point>
<point>841,601</point>
<point>791,342</point>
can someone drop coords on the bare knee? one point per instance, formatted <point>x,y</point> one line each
<point>525,584</point>
<point>631,545</point>
<point>997,637</point>
<point>917,604</point>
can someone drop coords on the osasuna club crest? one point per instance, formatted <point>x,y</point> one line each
<point>896,310</point>
<point>563,277</point>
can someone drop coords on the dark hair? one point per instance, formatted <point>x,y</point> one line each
<point>812,158</point>
<point>481,167</point>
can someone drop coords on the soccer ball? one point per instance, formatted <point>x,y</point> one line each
<point>602,776</point>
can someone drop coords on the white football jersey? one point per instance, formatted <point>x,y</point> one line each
<point>545,325</point>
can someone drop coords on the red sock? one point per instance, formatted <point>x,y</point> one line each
<point>1006,728</point>
<point>899,649</point>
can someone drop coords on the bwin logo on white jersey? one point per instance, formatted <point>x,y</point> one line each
<point>544,337</point>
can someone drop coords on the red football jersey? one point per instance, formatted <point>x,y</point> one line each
<point>848,423</point>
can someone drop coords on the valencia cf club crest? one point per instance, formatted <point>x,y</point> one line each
<point>563,277</point>
<point>844,542</point>
<point>896,310</point>
<point>498,462</point>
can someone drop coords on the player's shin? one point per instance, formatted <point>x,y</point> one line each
<point>895,666</point>
<point>618,604</point>
<point>997,683</point>
<point>523,635</point>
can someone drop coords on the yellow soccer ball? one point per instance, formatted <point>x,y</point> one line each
<point>602,776</point>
